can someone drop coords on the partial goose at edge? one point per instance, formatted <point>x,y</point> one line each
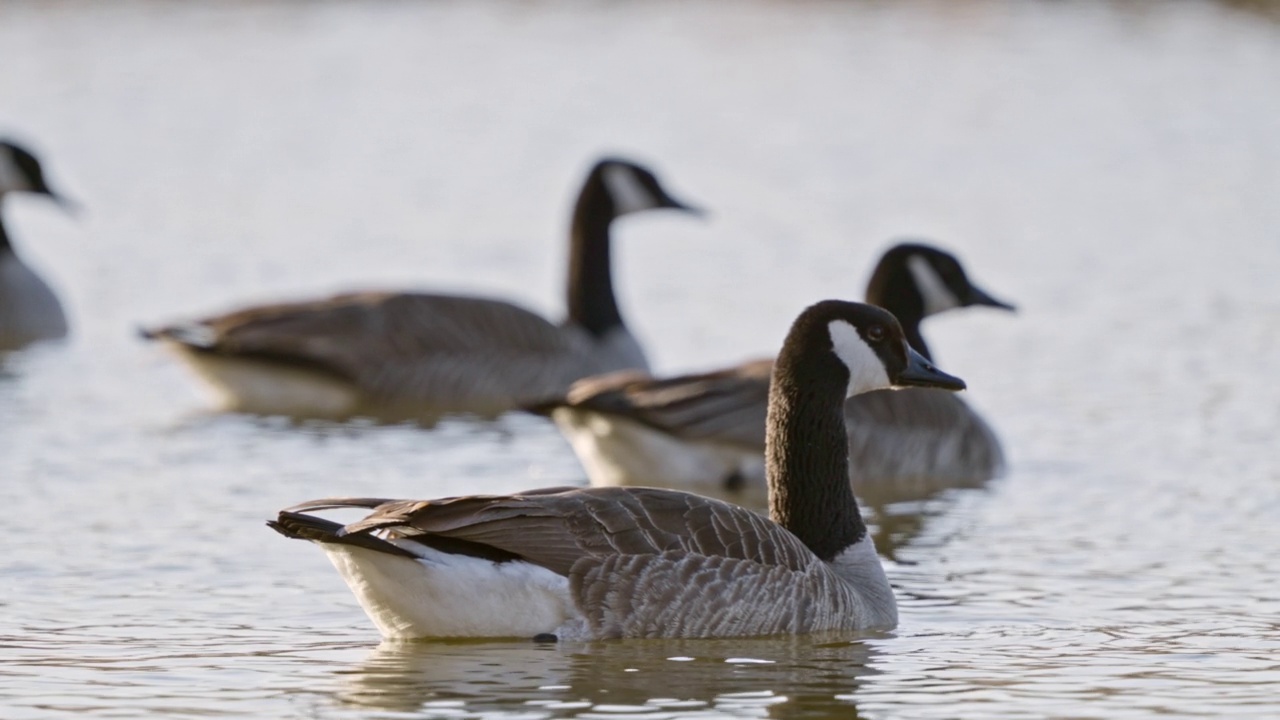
<point>29,309</point>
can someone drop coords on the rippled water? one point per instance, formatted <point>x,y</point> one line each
<point>1112,168</point>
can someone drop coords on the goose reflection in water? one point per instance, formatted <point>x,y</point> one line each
<point>814,674</point>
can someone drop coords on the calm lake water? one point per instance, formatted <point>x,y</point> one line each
<point>1113,169</point>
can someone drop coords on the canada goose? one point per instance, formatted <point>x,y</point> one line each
<point>706,431</point>
<point>591,563</point>
<point>424,355</point>
<point>29,310</point>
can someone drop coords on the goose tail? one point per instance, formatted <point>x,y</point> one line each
<point>194,335</point>
<point>294,523</point>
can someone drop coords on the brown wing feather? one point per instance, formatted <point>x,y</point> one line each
<point>557,528</point>
<point>726,406</point>
<point>445,349</point>
<point>402,326</point>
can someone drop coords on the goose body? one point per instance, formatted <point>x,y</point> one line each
<point>593,563</point>
<point>706,431</point>
<point>29,309</point>
<point>420,354</point>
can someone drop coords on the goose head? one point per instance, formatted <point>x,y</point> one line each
<point>630,188</point>
<point>917,279</point>
<point>864,346</point>
<point>834,349</point>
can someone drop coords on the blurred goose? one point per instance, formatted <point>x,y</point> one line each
<point>428,354</point>
<point>706,432</point>
<point>591,563</point>
<point>29,310</point>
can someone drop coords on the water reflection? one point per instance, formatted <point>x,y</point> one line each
<point>1267,9</point>
<point>896,522</point>
<point>788,677</point>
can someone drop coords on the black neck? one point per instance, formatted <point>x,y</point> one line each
<point>912,330</point>
<point>591,302</point>
<point>5,247</point>
<point>807,453</point>
<point>893,289</point>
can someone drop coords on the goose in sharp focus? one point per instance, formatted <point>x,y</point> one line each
<point>706,432</point>
<point>425,355</point>
<point>29,310</point>
<point>591,563</point>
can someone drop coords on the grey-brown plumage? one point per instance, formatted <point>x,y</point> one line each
<point>424,354</point>
<point>645,562</point>
<point>410,350</point>
<point>727,405</point>
<point>700,429</point>
<point>640,562</point>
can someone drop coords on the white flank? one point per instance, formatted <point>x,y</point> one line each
<point>628,194</point>
<point>935,293</point>
<point>444,595</point>
<point>619,452</point>
<point>866,370</point>
<point>270,388</point>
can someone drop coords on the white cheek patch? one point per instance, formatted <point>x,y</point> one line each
<point>12,179</point>
<point>866,370</point>
<point>628,193</point>
<point>935,293</point>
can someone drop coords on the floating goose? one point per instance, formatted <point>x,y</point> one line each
<point>423,355</point>
<point>591,563</point>
<point>29,310</point>
<point>706,432</point>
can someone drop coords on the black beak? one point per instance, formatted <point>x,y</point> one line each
<point>978,296</point>
<point>921,373</point>
<point>69,206</point>
<point>674,204</point>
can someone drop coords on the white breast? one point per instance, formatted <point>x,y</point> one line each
<point>859,566</point>
<point>616,451</point>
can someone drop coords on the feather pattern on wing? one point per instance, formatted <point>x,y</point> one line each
<point>726,406</point>
<point>557,527</point>
<point>679,594</point>
<point>446,350</point>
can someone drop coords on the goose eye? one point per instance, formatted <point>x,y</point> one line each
<point>875,333</point>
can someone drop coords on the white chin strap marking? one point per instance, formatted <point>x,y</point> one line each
<point>628,194</point>
<point>866,370</point>
<point>937,296</point>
